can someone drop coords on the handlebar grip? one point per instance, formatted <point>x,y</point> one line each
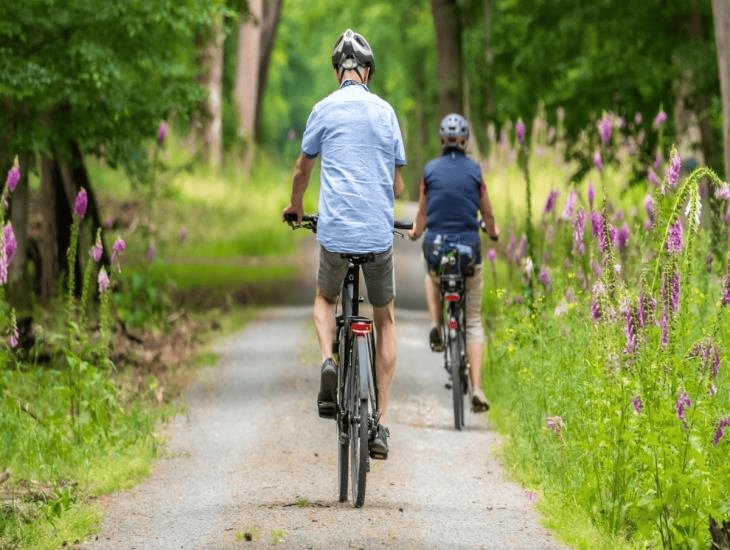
<point>397,224</point>
<point>290,217</point>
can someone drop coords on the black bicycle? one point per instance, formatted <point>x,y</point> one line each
<point>357,394</point>
<point>453,290</point>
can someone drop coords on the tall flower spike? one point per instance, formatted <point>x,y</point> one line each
<point>80,204</point>
<point>520,131</point>
<point>660,119</point>
<point>720,430</point>
<point>550,201</point>
<point>652,177</point>
<point>674,169</point>
<point>544,277</point>
<point>578,229</point>
<point>570,201</point>
<point>622,237</point>
<point>591,194</point>
<point>10,243</point>
<point>491,255</point>
<point>103,280</point>
<point>637,404</point>
<point>162,133</point>
<point>650,211</point>
<point>674,237</point>
<point>598,161</point>
<point>13,176</point>
<point>605,126</point>
<point>683,403</point>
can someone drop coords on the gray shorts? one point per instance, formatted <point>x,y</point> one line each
<point>379,276</point>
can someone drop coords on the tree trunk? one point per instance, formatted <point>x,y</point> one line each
<point>272,12</point>
<point>210,128</point>
<point>48,239</point>
<point>20,287</point>
<point>448,64</point>
<point>721,13</point>
<point>246,88</point>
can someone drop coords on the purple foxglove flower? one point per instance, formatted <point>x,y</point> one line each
<point>598,161</point>
<point>544,277</point>
<point>660,119</point>
<point>591,194</point>
<point>674,169</point>
<point>555,423</point>
<point>623,237</point>
<point>521,249</point>
<point>630,333</point>
<point>715,364</point>
<point>652,177</point>
<point>13,177</point>
<point>650,211</point>
<point>605,126</point>
<point>641,310</point>
<point>96,251</point>
<point>183,234</point>
<point>118,249</point>
<point>532,497</point>
<point>550,202</point>
<point>80,204</point>
<point>664,328</point>
<point>683,403</point>
<point>103,280</point>
<point>674,282</point>
<point>3,266</point>
<point>720,430</point>
<point>637,404</point>
<point>726,290</point>
<point>596,224</point>
<point>162,133</point>
<point>491,255</point>
<point>596,293</point>
<point>14,335</point>
<point>511,244</point>
<point>520,131</point>
<point>10,243</point>
<point>578,229</point>
<point>569,206</point>
<point>637,118</point>
<point>674,237</point>
<point>723,192</point>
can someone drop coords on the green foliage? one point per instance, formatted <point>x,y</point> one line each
<point>590,379</point>
<point>100,73</point>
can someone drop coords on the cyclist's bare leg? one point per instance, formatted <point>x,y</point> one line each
<point>324,321</point>
<point>474,354</point>
<point>385,354</point>
<point>433,299</point>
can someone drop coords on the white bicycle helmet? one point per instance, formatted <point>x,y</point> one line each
<point>352,51</point>
<point>454,127</point>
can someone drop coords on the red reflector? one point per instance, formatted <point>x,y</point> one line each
<point>361,328</point>
<point>453,324</point>
<point>452,297</point>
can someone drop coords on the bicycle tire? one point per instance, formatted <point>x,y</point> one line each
<point>343,434</point>
<point>359,420</point>
<point>455,359</point>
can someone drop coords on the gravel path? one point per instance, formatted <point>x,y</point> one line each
<point>251,459</point>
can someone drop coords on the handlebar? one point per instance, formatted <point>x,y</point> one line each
<point>309,221</point>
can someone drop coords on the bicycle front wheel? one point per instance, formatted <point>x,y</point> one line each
<point>359,397</point>
<point>457,384</point>
<point>343,422</point>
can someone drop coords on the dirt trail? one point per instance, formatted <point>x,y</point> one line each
<point>251,459</point>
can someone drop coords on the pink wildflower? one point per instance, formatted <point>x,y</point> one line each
<point>674,169</point>
<point>683,403</point>
<point>555,423</point>
<point>13,177</point>
<point>604,129</point>
<point>569,206</point>
<point>660,119</point>
<point>637,404</point>
<point>10,243</point>
<point>520,131</point>
<point>598,161</point>
<point>103,280</point>
<point>674,237</point>
<point>162,133</point>
<point>491,255</point>
<point>80,204</point>
<point>720,430</point>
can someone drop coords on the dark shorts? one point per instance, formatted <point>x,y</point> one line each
<point>378,274</point>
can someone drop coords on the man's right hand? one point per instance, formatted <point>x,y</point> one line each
<point>297,210</point>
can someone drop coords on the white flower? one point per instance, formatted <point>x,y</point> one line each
<point>528,266</point>
<point>698,210</point>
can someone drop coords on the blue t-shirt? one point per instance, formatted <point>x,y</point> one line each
<point>358,136</point>
<point>453,192</point>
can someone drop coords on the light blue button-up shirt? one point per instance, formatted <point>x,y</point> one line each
<point>358,136</point>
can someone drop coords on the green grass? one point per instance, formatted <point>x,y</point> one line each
<point>195,276</point>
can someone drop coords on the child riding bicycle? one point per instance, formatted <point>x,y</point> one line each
<point>452,193</point>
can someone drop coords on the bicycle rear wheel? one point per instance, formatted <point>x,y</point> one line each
<point>343,432</point>
<point>457,383</point>
<point>359,420</point>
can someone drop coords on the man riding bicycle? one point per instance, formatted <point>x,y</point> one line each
<point>452,193</point>
<point>358,136</point>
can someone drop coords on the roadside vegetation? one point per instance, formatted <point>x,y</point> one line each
<point>608,337</point>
